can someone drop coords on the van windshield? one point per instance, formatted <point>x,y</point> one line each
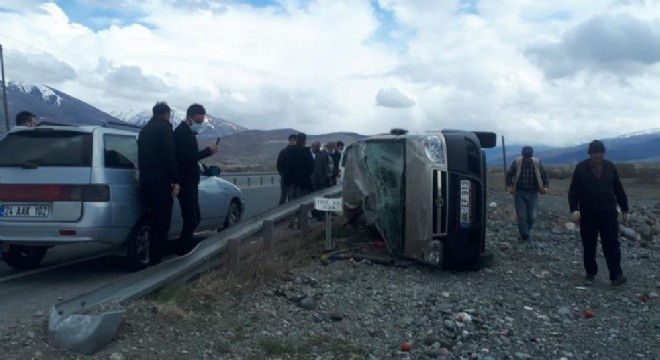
<point>45,147</point>
<point>385,164</point>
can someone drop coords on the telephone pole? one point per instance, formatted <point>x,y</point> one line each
<point>4,89</point>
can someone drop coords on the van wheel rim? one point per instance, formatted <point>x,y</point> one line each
<point>142,244</point>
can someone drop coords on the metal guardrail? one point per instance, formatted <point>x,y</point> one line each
<point>88,322</point>
<point>252,179</point>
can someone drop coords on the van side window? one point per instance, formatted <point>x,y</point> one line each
<point>120,151</point>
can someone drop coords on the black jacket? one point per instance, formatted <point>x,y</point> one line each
<point>297,166</point>
<point>188,154</point>
<point>156,154</point>
<point>280,161</point>
<point>588,193</point>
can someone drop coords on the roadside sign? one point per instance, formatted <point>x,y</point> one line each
<point>326,204</point>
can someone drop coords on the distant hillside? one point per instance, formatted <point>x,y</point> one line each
<point>636,147</point>
<point>52,105</point>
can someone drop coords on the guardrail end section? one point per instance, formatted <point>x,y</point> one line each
<point>83,334</point>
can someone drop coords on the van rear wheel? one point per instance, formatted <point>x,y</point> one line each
<point>24,257</point>
<point>137,256</point>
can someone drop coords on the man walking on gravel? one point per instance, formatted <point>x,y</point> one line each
<point>525,179</point>
<point>593,196</point>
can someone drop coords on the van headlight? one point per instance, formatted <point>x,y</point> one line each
<point>433,148</point>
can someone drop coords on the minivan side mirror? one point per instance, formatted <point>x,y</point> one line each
<point>213,170</point>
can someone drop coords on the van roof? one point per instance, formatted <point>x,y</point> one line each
<point>82,129</point>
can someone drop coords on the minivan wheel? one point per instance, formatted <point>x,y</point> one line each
<point>24,257</point>
<point>138,240</point>
<point>233,214</point>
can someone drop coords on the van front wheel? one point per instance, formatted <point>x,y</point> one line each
<point>24,257</point>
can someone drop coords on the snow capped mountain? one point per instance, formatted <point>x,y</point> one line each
<point>50,104</point>
<point>653,131</point>
<point>46,93</point>
<point>214,126</point>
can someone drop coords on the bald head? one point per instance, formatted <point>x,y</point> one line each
<point>316,146</point>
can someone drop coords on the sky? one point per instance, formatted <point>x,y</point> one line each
<point>534,71</point>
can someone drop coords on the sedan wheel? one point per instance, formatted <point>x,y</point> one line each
<point>23,257</point>
<point>233,214</point>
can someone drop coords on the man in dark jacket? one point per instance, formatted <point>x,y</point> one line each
<point>159,176</point>
<point>188,156</point>
<point>297,167</point>
<point>593,196</point>
<point>280,168</point>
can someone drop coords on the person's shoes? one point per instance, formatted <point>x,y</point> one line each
<point>619,280</point>
<point>590,278</point>
<point>523,238</point>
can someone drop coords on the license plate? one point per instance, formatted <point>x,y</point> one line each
<point>24,210</point>
<point>466,188</point>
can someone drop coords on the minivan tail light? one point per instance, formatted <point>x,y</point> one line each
<point>54,192</point>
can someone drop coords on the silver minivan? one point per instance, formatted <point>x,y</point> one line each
<point>69,184</point>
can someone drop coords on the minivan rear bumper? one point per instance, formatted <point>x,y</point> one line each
<point>50,236</point>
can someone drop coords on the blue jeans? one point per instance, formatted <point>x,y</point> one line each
<point>527,206</point>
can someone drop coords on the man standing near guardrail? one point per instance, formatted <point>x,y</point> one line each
<point>297,166</point>
<point>280,168</point>
<point>525,179</point>
<point>159,176</point>
<point>188,156</point>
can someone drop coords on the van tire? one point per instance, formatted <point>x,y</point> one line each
<point>24,257</point>
<point>137,255</point>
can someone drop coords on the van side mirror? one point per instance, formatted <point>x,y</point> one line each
<point>213,170</point>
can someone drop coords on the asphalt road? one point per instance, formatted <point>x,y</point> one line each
<point>71,270</point>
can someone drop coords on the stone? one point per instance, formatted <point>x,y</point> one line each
<point>307,303</point>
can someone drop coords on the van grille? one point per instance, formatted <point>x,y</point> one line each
<point>440,202</point>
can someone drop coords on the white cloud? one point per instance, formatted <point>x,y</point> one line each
<point>393,98</point>
<point>530,70</point>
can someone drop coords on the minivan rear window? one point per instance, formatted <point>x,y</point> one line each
<point>45,147</point>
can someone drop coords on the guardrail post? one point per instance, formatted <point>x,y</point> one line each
<point>304,220</point>
<point>261,180</point>
<point>234,181</point>
<point>249,178</point>
<point>268,233</point>
<point>272,180</point>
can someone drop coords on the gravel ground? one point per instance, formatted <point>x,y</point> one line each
<point>531,304</point>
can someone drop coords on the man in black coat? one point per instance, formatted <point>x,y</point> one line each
<point>593,196</point>
<point>297,166</point>
<point>159,176</point>
<point>284,197</point>
<point>188,156</point>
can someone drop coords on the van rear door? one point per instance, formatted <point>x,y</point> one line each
<point>45,175</point>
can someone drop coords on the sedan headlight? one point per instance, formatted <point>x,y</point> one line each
<point>433,148</point>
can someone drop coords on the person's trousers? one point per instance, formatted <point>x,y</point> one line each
<point>284,192</point>
<point>189,204</point>
<point>160,202</point>
<point>605,224</point>
<point>527,206</point>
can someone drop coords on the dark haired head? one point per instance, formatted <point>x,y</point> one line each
<point>293,137</point>
<point>596,146</point>
<point>25,118</point>
<point>301,139</point>
<point>195,109</point>
<point>161,108</point>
